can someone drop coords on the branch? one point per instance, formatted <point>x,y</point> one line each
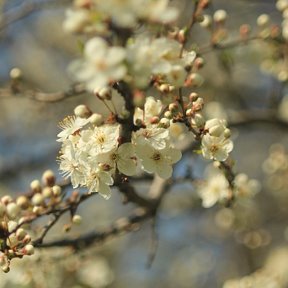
<point>74,90</point>
<point>24,10</point>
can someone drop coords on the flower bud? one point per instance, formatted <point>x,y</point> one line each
<point>12,241</point>
<point>220,16</point>
<point>48,178</point>
<point>168,115</point>
<point>26,239</point>
<point>164,122</point>
<point>12,210</point>
<point>37,199</point>
<point>164,88</point>
<point>22,202</point>
<point>282,5</point>
<point>193,96</point>
<point>12,225</point>
<point>28,250</point>
<point>82,111</point>
<point>105,93</point>
<point>154,120</point>
<point>227,133</point>
<point>173,107</point>
<point>199,120</point>
<point>15,74</point>
<point>96,119</point>
<point>77,219</point>
<point>35,186</point>
<point>206,22</point>
<point>6,199</point>
<point>263,20</point>
<point>47,192</point>
<point>56,189</point>
<point>195,79</point>
<point>20,234</point>
<point>198,104</point>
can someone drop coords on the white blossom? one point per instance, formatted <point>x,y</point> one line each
<point>152,108</point>
<point>101,65</point>
<point>217,148</point>
<point>246,187</point>
<point>158,161</point>
<point>70,125</point>
<point>151,136</point>
<point>215,189</point>
<point>123,158</point>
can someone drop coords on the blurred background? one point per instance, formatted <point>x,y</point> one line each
<point>198,247</point>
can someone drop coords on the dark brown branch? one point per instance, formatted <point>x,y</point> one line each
<point>74,90</point>
<point>122,225</point>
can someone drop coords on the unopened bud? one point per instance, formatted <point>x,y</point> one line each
<point>105,93</point>
<point>23,202</point>
<point>198,104</point>
<point>206,22</point>
<point>263,20</point>
<point>199,120</point>
<point>26,239</point>
<point>47,192</point>
<point>168,114</point>
<point>12,225</point>
<point>6,199</point>
<point>15,74</point>
<point>195,79</point>
<point>77,219</point>
<point>154,120</point>
<point>164,122</point>
<point>37,199</point>
<point>20,233</point>
<point>96,119</point>
<point>220,16</point>
<point>164,88</point>
<point>28,250</point>
<point>227,133</point>
<point>173,107</point>
<point>12,210</point>
<point>56,189</point>
<point>282,5</point>
<point>193,96</point>
<point>82,111</point>
<point>35,186</point>
<point>48,178</point>
<point>199,62</point>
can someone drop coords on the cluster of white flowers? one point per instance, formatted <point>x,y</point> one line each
<point>91,154</point>
<point>158,57</point>
<point>217,189</point>
<point>216,143</point>
<point>137,63</point>
<point>14,240</point>
<point>101,64</point>
<point>93,15</point>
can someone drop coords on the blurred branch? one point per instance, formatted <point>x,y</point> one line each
<point>127,224</point>
<point>24,10</point>
<point>74,90</point>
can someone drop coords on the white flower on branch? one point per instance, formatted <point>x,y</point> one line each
<point>152,136</point>
<point>215,189</point>
<point>101,65</point>
<point>158,161</point>
<point>216,148</point>
<point>123,158</point>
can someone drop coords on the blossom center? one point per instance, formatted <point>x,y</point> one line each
<point>156,156</point>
